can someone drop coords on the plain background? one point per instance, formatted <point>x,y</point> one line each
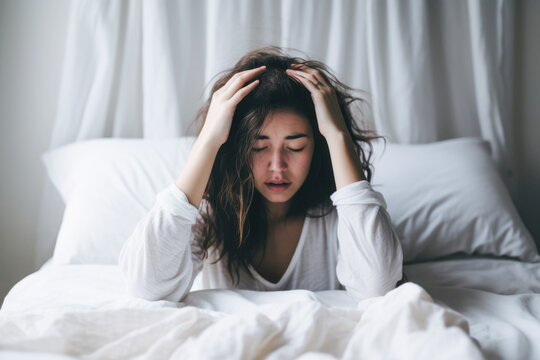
<point>32,43</point>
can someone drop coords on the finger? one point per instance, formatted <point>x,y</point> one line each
<point>308,84</point>
<point>314,79</point>
<point>240,94</point>
<point>309,80</point>
<point>236,83</point>
<point>236,75</point>
<point>294,74</point>
<point>318,76</point>
<point>240,78</point>
<point>302,67</point>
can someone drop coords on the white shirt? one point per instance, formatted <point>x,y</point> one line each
<point>354,247</point>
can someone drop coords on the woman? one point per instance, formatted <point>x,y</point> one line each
<point>273,195</point>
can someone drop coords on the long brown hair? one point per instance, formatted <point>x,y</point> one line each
<point>233,216</point>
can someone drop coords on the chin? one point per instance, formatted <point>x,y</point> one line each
<point>277,197</point>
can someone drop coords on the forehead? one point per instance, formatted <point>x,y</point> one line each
<point>285,121</point>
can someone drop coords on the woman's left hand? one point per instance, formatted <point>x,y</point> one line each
<point>329,116</point>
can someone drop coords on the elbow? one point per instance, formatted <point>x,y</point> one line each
<point>145,287</point>
<point>149,275</point>
<point>381,288</point>
<point>141,292</point>
<point>361,288</point>
<point>157,292</point>
<point>369,291</point>
<point>137,286</point>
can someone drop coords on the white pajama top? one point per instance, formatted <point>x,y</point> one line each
<point>354,248</point>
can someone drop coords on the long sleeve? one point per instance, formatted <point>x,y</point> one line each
<point>160,261</point>
<point>370,256</point>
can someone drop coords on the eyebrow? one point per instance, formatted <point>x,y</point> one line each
<point>290,137</point>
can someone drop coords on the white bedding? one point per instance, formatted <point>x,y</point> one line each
<point>82,311</point>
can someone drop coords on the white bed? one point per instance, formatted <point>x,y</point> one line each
<point>473,270</point>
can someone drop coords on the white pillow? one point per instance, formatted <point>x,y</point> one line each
<point>447,197</point>
<point>444,197</point>
<point>108,185</point>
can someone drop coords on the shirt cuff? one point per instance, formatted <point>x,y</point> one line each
<point>173,200</point>
<point>359,192</point>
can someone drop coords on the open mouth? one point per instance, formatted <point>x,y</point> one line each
<point>278,186</point>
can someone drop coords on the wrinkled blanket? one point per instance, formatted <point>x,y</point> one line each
<point>83,312</point>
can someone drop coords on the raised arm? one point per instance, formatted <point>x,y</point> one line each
<point>196,172</point>
<point>160,260</point>
<point>370,258</point>
<point>345,162</point>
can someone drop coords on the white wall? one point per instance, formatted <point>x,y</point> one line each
<point>32,40</point>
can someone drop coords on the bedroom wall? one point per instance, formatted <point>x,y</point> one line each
<point>32,40</point>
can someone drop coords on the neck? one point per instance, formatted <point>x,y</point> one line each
<point>277,212</point>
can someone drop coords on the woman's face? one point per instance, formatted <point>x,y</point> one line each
<point>282,154</point>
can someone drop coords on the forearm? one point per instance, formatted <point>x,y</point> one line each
<point>345,161</point>
<point>194,176</point>
<point>370,256</point>
<point>368,242</point>
<point>157,261</point>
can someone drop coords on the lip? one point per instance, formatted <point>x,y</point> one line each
<point>277,187</point>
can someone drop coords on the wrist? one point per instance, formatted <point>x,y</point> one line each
<point>345,160</point>
<point>337,137</point>
<point>208,141</point>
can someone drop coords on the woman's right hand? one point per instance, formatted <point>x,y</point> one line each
<point>223,104</point>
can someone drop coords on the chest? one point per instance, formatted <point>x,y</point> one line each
<point>282,242</point>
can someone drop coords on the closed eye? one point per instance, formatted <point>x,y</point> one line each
<point>263,148</point>
<point>297,150</point>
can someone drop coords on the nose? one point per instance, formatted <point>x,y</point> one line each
<point>277,161</point>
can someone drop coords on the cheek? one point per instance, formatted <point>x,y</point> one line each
<point>302,164</point>
<point>257,167</point>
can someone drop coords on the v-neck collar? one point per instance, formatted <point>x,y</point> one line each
<point>292,263</point>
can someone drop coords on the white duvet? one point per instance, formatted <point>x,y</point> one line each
<point>458,309</point>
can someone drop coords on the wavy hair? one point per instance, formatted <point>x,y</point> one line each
<point>233,216</point>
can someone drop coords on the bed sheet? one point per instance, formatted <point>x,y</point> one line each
<point>82,311</point>
<point>500,298</point>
